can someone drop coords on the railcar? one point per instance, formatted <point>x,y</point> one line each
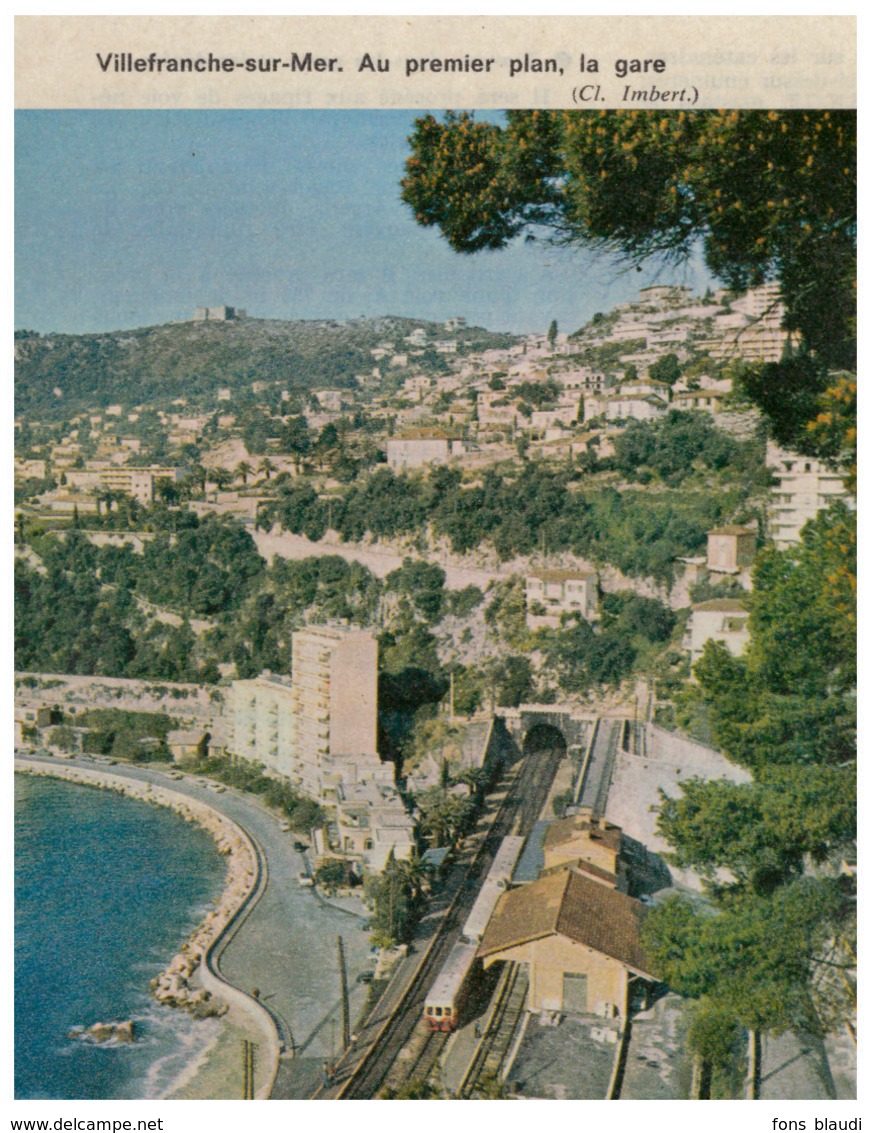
<point>444,1003</point>
<point>494,885</point>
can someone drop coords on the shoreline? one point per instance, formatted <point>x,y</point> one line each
<point>199,955</point>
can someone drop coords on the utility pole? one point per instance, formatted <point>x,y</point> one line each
<point>343,977</point>
<point>248,1048</point>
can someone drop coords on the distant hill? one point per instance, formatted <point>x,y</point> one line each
<point>156,364</point>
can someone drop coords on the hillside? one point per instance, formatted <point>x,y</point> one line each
<point>156,364</point>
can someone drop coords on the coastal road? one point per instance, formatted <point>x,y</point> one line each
<point>286,948</point>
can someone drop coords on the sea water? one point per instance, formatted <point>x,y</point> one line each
<point>106,890</point>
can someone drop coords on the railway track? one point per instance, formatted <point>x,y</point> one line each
<point>362,1075</point>
<point>509,1001</point>
<point>418,1059</point>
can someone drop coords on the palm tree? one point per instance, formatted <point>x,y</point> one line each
<point>243,470</point>
<point>418,874</point>
<point>198,475</point>
<point>266,466</point>
<point>221,478</point>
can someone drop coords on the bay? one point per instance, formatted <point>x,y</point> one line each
<point>106,890</point>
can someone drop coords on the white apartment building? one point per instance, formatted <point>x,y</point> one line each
<point>317,729</point>
<point>753,327</point>
<point>418,451</point>
<point>706,400</point>
<point>550,593</point>
<point>262,728</point>
<point>136,482</point>
<point>565,413</point>
<point>638,407</point>
<point>326,710</point>
<point>722,619</point>
<point>804,486</point>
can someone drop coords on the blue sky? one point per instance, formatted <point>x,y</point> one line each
<point>131,218</point>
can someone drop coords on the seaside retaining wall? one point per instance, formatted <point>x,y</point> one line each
<point>245,882</point>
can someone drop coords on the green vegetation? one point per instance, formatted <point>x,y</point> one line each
<point>445,817</point>
<point>647,183</point>
<point>302,814</point>
<point>633,629</point>
<point>85,613</point>
<point>397,897</point>
<point>755,959</point>
<point>666,369</point>
<point>790,700</point>
<point>333,873</point>
<point>193,360</point>
<point>681,444</point>
<point>134,736</point>
<point>638,532</point>
<point>784,912</point>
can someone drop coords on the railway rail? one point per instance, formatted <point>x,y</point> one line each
<point>362,1074</point>
<point>500,1029</point>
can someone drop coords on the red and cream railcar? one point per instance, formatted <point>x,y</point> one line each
<point>444,1003</point>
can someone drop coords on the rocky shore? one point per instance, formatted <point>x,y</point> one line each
<point>106,1032</point>
<point>173,987</point>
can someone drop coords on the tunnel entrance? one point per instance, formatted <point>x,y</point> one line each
<point>544,737</point>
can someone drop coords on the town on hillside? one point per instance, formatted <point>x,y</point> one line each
<point>520,640</point>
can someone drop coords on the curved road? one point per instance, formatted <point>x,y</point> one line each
<point>286,947</point>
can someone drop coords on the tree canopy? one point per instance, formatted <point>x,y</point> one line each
<point>755,959</point>
<point>790,699</point>
<point>765,195</point>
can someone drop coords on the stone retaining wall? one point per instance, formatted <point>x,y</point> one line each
<point>200,952</point>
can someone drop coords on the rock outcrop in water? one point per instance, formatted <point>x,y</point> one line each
<point>105,1032</point>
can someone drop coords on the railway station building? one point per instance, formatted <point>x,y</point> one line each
<point>579,939</point>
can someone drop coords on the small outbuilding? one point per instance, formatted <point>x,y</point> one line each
<point>592,845</point>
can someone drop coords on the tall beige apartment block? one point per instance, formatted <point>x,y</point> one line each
<point>334,680</point>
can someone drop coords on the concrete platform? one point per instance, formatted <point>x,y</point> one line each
<point>566,1061</point>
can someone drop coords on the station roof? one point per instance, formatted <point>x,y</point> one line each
<point>532,858</point>
<point>576,907</point>
<point>567,829</point>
